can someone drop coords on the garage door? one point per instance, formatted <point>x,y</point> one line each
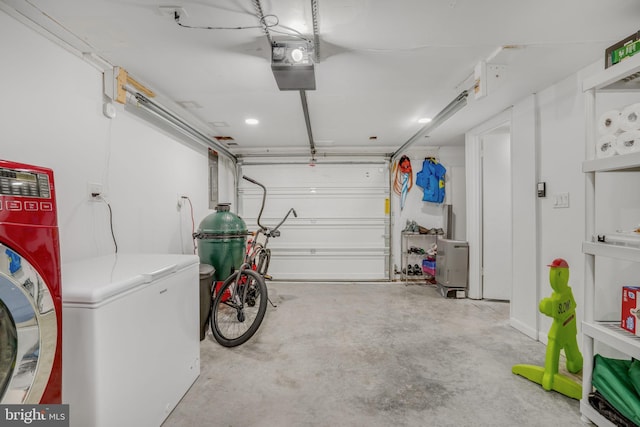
<point>342,229</point>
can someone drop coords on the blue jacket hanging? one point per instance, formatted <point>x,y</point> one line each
<point>431,180</point>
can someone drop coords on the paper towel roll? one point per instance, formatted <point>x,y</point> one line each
<point>609,122</point>
<point>630,117</point>
<point>628,142</point>
<point>606,146</point>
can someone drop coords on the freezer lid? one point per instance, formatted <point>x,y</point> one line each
<point>94,280</point>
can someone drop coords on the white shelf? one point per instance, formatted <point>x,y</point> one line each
<point>622,77</point>
<point>410,238</point>
<point>619,163</point>
<point>611,78</point>
<point>594,416</point>
<point>614,336</point>
<point>627,253</point>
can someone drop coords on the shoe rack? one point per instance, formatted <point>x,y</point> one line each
<point>415,248</point>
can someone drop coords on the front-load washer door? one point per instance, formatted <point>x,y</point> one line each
<point>28,330</point>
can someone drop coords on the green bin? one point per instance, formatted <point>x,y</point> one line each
<point>222,238</point>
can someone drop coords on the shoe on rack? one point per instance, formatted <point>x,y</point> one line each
<point>417,270</point>
<point>409,270</point>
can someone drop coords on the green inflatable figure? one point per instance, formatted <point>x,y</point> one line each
<point>562,335</point>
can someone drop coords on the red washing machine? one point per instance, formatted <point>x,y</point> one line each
<point>30,297</point>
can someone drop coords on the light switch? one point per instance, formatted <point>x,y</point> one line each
<point>561,200</point>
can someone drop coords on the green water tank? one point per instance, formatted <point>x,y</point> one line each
<point>222,240</point>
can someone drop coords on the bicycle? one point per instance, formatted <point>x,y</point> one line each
<point>240,304</point>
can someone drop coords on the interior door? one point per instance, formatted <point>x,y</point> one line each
<point>496,216</point>
<point>341,232</point>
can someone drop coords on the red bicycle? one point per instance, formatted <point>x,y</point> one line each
<point>240,304</point>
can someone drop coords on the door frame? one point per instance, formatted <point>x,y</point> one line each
<point>473,172</point>
<point>497,255</point>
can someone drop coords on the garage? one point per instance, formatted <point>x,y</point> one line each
<point>342,228</point>
<point>464,248</point>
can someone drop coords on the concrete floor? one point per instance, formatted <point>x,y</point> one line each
<point>381,354</point>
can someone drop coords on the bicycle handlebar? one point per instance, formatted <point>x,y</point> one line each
<point>264,197</point>
<point>291,211</point>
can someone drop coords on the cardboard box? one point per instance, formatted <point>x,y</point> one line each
<point>630,306</point>
<point>624,48</point>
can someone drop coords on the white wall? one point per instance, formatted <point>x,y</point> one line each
<point>430,215</point>
<point>562,141</point>
<point>51,109</point>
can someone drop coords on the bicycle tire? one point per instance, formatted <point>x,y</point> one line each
<point>233,318</point>
<point>264,258</point>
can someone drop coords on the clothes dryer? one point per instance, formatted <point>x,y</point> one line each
<point>30,298</point>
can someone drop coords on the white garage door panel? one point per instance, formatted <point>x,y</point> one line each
<point>364,203</point>
<point>337,267</point>
<point>341,232</point>
<point>329,234</point>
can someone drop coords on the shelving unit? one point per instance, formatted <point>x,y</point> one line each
<point>417,240</point>
<point>623,77</point>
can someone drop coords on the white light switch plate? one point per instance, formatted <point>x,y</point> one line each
<point>561,200</point>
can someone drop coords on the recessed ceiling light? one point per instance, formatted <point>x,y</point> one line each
<point>220,124</point>
<point>252,121</point>
<point>424,120</point>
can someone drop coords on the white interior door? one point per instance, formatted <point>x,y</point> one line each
<point>496,217</point>
<point>342,229</point>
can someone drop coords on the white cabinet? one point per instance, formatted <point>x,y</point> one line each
<point>621,78</point>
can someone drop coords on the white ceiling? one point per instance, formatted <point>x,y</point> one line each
<point>383,64</point>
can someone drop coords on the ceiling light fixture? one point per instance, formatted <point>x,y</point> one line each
<point>252,121</point>
<point>424,120</point>
<point>292,64</point>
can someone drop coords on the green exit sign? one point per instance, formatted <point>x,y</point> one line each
<point>625,51</point>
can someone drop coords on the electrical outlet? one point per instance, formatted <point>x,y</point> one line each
<point>182,200</point>
<point>169,11</point>
<point>94,189</point>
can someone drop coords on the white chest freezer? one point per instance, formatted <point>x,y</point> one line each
<point>131,340</point>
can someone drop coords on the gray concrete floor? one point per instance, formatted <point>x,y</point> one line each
<point>383,354</point>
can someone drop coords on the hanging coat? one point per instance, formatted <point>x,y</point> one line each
<point>431,180</point>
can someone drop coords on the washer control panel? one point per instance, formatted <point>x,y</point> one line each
<point>24,184</point>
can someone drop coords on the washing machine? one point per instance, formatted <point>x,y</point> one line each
<point>30,297</point>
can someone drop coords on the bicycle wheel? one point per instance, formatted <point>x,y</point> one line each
<point>264,257</point>
<point>238,308</point>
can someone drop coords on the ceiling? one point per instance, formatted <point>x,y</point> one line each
<point>383,64</point>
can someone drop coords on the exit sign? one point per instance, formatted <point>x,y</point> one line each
<point>625,51</point>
